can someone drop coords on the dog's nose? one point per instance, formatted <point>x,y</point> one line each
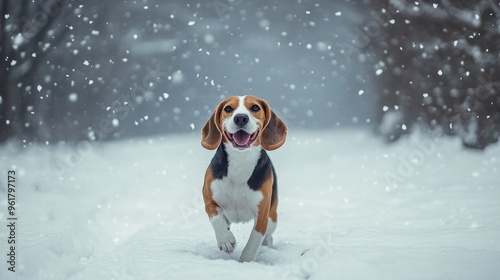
<point>241,119</point>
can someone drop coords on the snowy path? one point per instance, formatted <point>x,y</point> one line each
<point>133,210</point>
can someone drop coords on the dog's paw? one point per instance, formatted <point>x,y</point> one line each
<point>268,241</point>
<point>247,257</point>
<point>226,241</point>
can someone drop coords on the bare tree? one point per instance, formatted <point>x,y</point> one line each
<point>441,68</point>
<point>29,30</point>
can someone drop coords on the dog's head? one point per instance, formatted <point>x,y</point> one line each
<point>244,122</point>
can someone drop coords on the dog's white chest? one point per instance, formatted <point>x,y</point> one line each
<point>236,201</point>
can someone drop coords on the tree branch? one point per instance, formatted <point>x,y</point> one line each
<point>41,56</point>
<point>40,33</point>
<point>3,29</point>
<point>28,65</point>
<point>446,12</point>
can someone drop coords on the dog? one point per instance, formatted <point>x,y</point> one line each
<point>240,182</point>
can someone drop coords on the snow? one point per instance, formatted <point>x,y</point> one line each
<point>18,40</point>
<point>177,77</point>
<point>73,97</point>
<point>133,210</point>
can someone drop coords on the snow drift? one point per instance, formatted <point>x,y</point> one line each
<point>350,207</point>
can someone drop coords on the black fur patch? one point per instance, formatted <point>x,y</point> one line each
<point>219,163</point>
<point>275,186</point>
<point>261,172</point>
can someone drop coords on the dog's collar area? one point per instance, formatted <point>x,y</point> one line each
<point>242,139</point>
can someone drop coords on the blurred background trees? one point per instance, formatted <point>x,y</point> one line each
<point>440,68</point>
<point>112,69</point>
<point>40,52</point>
<point>28,33</point>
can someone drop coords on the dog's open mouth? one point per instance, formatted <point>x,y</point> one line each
<point>241,139</point>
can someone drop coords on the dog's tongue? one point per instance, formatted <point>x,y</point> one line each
<point>241,138</point>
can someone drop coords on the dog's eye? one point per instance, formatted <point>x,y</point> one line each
<point>228,109</point>
<point>255,108</point>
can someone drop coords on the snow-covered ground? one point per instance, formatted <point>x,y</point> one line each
<point>350,207</point>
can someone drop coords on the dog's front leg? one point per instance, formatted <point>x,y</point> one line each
<point>225,238</point>
<point>258,232</point>
<point>254,242</point>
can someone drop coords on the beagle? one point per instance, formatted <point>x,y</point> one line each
<point>240,182</point>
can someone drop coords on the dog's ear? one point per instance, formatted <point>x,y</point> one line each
<point>274,133</point>
<point>211,134</point>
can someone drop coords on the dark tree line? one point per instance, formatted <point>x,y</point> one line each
<point>441,68</point>
<point>112,69</point>
<point>49,90</point>
<point>28,33</point>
